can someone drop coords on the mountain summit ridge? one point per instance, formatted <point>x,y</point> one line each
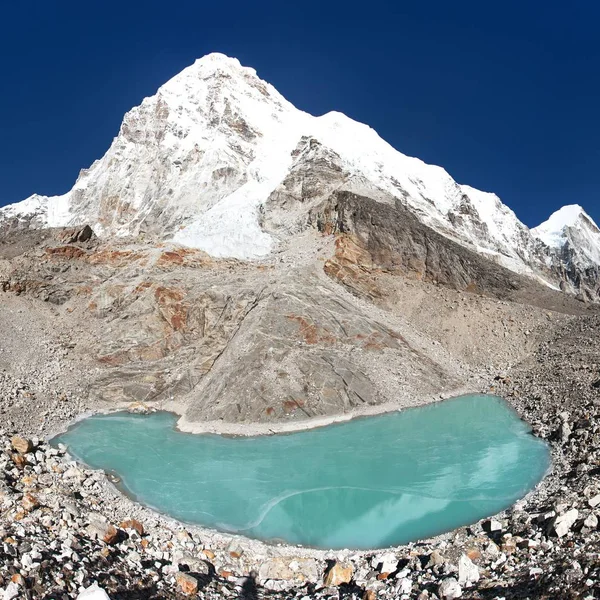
<point>200,162</point>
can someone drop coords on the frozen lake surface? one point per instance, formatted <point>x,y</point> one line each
<point>368,483</point>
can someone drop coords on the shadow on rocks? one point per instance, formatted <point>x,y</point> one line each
<point>249,588</point>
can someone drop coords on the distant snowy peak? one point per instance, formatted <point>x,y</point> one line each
<point>553,231</point>
<point>573,233</point>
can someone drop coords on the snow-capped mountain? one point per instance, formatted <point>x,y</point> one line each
<point>572,233</point>
<point>201,162</point>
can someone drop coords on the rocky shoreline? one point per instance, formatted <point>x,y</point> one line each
<point>64,528</point>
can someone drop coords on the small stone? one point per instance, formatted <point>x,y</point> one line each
<point>183,536</point>
<point>509,544</point>
<point>338,574</point>
<point>101,529</point>
<point>19,460</point>
<point>21,445</point>
<point>492,550</point>
<point>11,591</point>
<point>194,564</point>
<point>187,584</point>
<point>208,553</point>
<point>30,502</point>
<point>404,586</point>
<point>449,589</point>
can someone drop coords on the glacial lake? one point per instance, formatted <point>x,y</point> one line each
<point>371,482</point>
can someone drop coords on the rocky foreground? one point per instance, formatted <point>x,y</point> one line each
<point>66,533</point>
<point>65,529</point>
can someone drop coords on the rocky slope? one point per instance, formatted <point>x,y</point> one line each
<point>217,152</point>
<point>319,330</point>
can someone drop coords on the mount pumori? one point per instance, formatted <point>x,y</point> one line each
<point>218,160</point>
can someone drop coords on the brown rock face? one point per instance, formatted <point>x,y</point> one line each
<point>67,251</point>
<point>377,235</point>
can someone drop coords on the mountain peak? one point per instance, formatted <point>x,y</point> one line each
<point>217,58</point>
<point>552,231</point>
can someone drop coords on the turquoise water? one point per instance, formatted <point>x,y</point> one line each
<point>367,483</point>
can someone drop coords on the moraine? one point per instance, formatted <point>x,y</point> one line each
<point>368,483</point>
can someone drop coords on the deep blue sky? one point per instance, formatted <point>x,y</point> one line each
<point>504,95</point>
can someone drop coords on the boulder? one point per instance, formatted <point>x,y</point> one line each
<point>386,563</point>
<point>100,529</point>
<point>449,589</point>
<point>187,584</point>
<point>563,523</point>
<point>133,525</point>
<point>76,234</point>
<point>338,574</point>
<point>468,572</point>
<point>21,445</point>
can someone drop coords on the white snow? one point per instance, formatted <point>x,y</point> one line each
<point>59,213</point>
<point>552,231</point>
<point>572,226</point>
<point>51,211</point>
<point>230,228</point>
<point>30,206</point>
